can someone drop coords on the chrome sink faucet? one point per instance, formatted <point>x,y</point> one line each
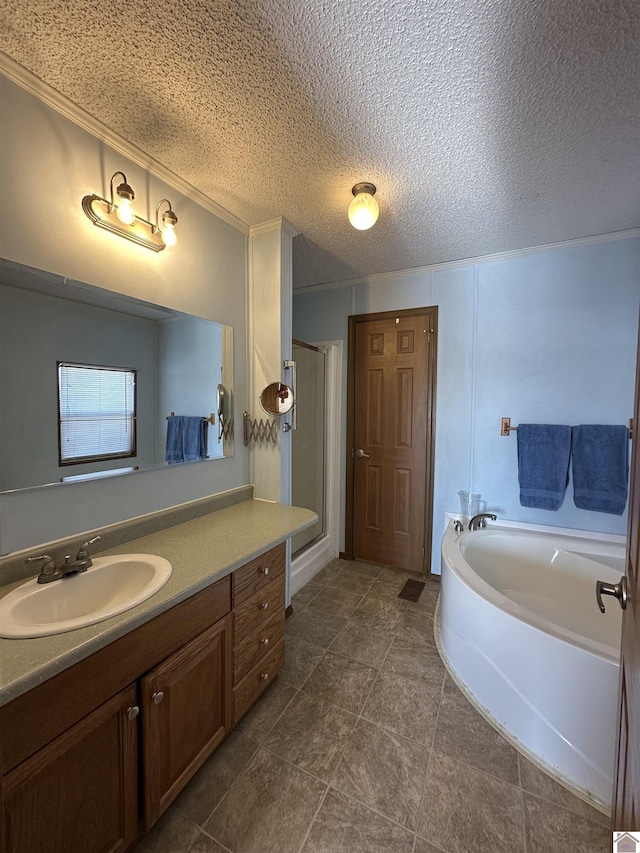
<point>478,522</point>
<point>50,572</point>
<point>83,559</point>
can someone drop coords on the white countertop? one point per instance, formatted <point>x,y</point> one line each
<point>201,552</point>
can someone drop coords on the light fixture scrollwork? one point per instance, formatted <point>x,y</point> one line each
<point>116,215</point>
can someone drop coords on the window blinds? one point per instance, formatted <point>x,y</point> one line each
<point>97,412</point>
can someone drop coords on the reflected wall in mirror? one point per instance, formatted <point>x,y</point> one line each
<point>179,360</point>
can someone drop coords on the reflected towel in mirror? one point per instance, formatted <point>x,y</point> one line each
<point>186,438</point>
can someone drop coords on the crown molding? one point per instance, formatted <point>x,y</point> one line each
<point>418,272</point>
<point>277,224</point>
<point>24,78</point>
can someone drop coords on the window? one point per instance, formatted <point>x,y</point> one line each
<point>97,413</point>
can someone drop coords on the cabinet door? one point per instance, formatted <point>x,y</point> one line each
<point>78,793</point>
<point>186,709</point>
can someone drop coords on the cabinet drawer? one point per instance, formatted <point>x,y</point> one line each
<point>257,574</point>
<point>256,681</point>
<point>260,607</point>
<point>258,644</point>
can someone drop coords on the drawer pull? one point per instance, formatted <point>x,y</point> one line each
<point>265,642</point>
<point>157,697</point>
<point>265,571</point>
<point>264,676</point>
<point>265,606</point>
<point>133,712</point>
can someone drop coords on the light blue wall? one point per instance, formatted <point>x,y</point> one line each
<point>48,164</point>
<point>547,336</point>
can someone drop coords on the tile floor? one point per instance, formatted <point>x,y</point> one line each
<point>365,745</point>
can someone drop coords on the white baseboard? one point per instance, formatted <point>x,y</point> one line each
<point>309,563</point>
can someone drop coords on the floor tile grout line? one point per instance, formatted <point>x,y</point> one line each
<point>297,690</point>
<point>422,795</point>
<point>215,840</point>
<point>370,808</point>
<point>313,819</point>
<point>524,817</point>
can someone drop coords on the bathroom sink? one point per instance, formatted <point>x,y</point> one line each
<point>110,586</point>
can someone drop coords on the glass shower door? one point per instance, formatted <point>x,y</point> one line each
<point>308,441</point>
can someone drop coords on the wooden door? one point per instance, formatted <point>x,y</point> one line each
<point>186,712</point>
<point>391,396</point>
<point>626,799</point>
<point>79,793</point>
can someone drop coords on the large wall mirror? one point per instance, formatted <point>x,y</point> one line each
<point>134,385</point>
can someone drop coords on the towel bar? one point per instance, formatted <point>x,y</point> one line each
<point>506,428</point>
<point>210,420</point>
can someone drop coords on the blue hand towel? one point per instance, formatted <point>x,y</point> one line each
<point>600,465</point>
<point>543,464</point>
<point>186,438</point>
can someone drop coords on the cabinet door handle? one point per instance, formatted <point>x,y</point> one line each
<point>265,571</point>
<point>157,697</point>
<point>265,642</point>
<point>133,712</point>
<point>265,606</point>
<point>264,676</point>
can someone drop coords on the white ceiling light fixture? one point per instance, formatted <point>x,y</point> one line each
<point>363,210</point>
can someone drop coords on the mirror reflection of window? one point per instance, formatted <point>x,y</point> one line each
<point>45,319</point>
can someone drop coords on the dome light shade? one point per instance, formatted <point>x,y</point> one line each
<point>363,210</point>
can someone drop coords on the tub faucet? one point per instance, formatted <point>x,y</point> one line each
<point>478,522</point>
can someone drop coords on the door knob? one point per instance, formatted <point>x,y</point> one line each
<point>133,712</point>
<point>618,590</point>
<point>361,454</point>
<point>157,697</point>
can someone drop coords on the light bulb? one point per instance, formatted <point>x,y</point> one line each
<point>169,221</point>
<point>169,235</point>
<point>363,210</point>
<point>125,212</point>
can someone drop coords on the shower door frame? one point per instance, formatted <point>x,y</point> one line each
<point>312,559</point>
<point>297,343</point>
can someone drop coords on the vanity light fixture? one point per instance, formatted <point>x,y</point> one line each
<point>363,210</point>
<point>116,215</point>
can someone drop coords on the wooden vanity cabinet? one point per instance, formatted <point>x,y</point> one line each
<point>186,712</point>
<point>80,791</point>
<point>93,756</point>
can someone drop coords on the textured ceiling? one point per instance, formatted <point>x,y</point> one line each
<point>487,125</point>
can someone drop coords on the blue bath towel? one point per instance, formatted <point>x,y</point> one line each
<point>543,464</point>
<point>600,465</point>
<point>186,438</point>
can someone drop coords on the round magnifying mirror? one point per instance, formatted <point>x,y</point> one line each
<point>277,399</point>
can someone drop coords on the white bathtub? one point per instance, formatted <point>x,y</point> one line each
<point>520,630</point>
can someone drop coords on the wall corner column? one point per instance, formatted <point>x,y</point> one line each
<point>270,334</point>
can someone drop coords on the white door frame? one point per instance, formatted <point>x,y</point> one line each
<point>304,567</point>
